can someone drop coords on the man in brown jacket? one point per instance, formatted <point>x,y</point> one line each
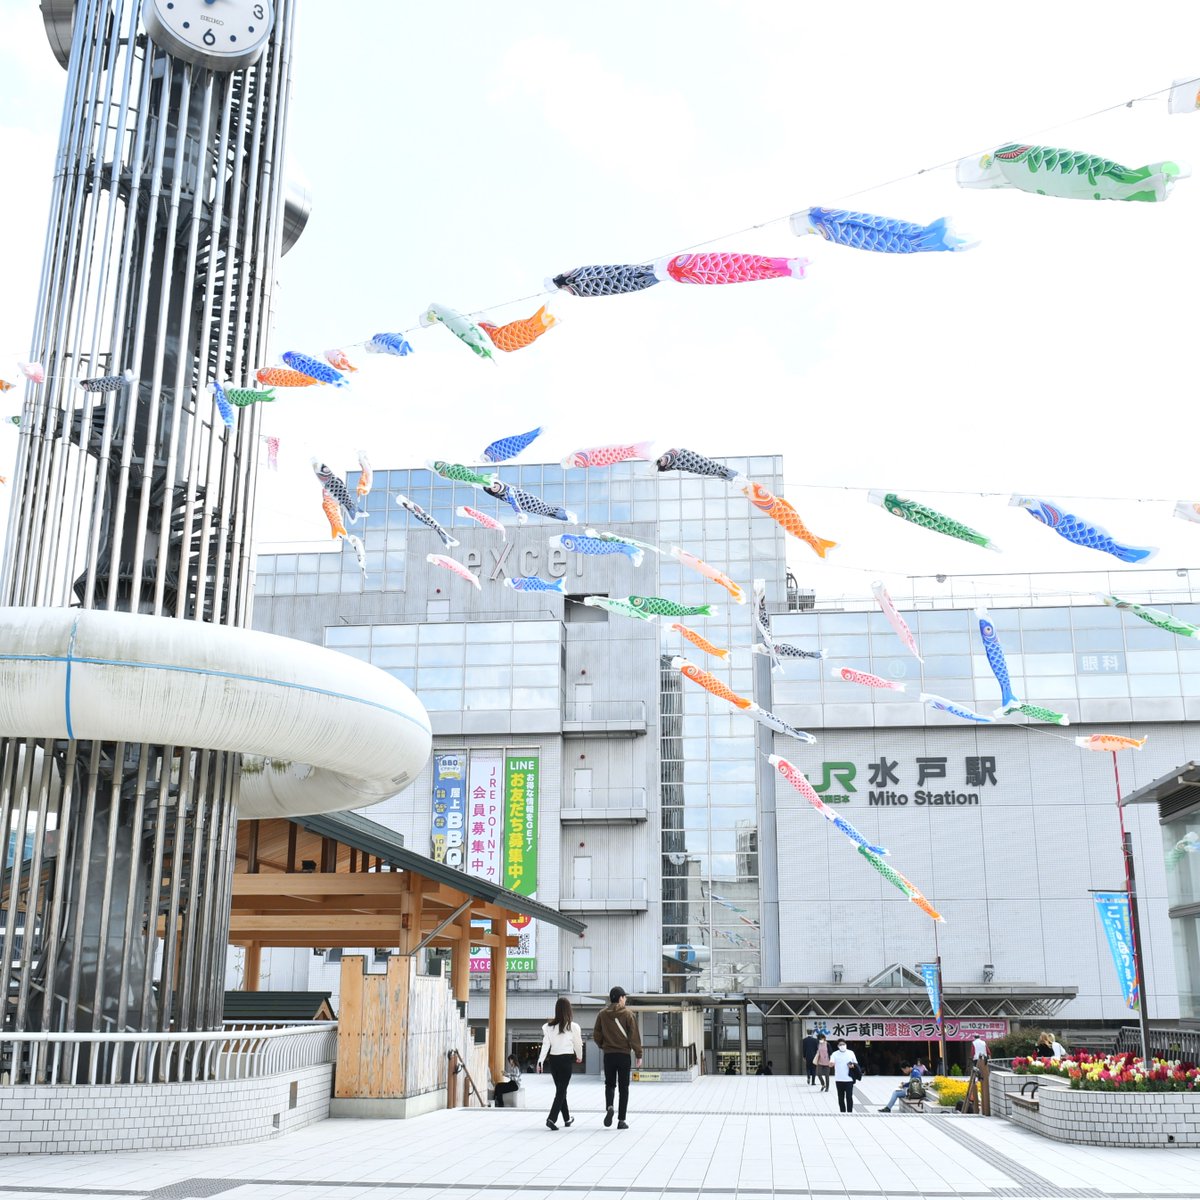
<point>616,1033</point>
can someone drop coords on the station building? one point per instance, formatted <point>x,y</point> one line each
<point>572,762</point>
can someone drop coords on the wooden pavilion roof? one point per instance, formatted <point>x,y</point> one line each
<point>340,879</point>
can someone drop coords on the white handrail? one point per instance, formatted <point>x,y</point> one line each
<point>247,1051</point>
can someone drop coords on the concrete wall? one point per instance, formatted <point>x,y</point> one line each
<point>69,1120</point>
<point>1011,873</point>
<point>1145,1119</point>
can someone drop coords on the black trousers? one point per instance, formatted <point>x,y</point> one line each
<point>616,1077</point>
<point>810,1066</point>
<point>562,1067</point>
<point>845,1092</point>
<point>502,1089</point>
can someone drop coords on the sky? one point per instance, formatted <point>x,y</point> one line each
<point>464,153</point>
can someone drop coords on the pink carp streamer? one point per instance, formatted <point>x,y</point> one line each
<point>729,268</point>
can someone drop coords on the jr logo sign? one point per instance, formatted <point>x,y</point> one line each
<point>839,775</point>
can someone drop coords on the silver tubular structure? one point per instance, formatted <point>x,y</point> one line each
<point>236,1051</point>
<point>166,223</point>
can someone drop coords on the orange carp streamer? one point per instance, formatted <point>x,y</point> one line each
<point>781,511</point>
<point>709,682</point>
<point>698,641</point>
<point>516,335</point>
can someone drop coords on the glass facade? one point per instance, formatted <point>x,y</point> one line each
<point>1181,848</point>
<point>1059,654</point>
<point>710,863</point>
<point>463,667</point>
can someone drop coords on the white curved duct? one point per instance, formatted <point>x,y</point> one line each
<point>321,731</point>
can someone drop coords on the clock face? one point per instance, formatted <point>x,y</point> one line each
<point>220,34</point>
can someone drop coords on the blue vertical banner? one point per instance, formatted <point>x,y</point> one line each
<point>929,973</point>
<point>449,808</point>
<point>1113,908</point>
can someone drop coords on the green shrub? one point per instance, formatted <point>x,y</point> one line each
<point>955,1069</point>
<point>1021,1043</point>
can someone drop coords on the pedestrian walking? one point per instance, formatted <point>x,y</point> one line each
<point>822,1062</point>
<point>809,1047</point>
<point>510,1081</point>
<point>846,1073</point>
<point>562,1048</point>
<point>616,1033</point>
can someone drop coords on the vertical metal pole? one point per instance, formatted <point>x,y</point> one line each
<point>1135,927</point>
<point>941,1012</point>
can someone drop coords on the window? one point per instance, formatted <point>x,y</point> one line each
<point>575,612</point>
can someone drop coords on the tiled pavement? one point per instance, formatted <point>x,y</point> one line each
<point>719,1139</point>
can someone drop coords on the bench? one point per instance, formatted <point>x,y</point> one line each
<point>1027,1103</point>
<point>908,1105</point>
<point>511,1099</point>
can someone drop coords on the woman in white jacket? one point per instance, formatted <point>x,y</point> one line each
<point>562,1045</point>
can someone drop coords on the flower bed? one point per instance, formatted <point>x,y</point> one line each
<point>949,1091</point>
<point>1115,1073</point>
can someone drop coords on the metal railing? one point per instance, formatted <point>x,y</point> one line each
<point>241,1050</point>
<point>1182,1044</point>
<point>629,797</point>
<point>605,889</point>
<point>668,1058</point>
<point>582,712</point>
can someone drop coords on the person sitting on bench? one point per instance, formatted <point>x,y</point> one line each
<point>914,1089</point>
<point>509,1082</point>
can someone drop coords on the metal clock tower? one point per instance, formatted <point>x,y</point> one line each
<point>168,215</point>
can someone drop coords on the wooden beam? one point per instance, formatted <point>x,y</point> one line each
<point>385,907</point>
<point>291,849</point>
<point>245,925</point>
<point>318,885</point>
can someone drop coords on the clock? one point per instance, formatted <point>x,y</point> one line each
<point>223,35</point>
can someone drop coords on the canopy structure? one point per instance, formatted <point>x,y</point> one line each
<point>340,879</point>
<point>835,1001</point>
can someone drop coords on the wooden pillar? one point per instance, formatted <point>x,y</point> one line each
<point>252,849</point>
<point>460,960</point>
<point>252,971</point>
<point>291,850</point>
<point>497,999</point>
<point>349,1081</point>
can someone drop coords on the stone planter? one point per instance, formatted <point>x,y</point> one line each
<point>1099,1118</point>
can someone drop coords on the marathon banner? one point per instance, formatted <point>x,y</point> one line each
<point>966,1030</point>
<point>1113,908</point>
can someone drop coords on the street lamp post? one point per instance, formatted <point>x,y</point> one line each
<point>1135,927</point>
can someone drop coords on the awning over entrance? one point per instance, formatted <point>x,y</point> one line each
<point>1176,789</point>
<point>848,1001</point>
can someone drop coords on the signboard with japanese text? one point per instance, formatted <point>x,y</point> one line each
<point>485,816</point>
<point>521,851</point>
<point>929,973</point>
<point>1113,908</point>
<point>934,780</point>
<point>1108,662</point>
<point>892,1030</point>
<point>449,808</point>
<point>501,843</point>
<point>521,823</point>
